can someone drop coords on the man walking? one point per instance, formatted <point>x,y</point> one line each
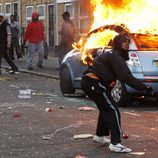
<point>67,35</point>
<point>5,43</point>
<point>35,36</point>
<point>16,33</point>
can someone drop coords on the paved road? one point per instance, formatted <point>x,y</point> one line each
<point>29,131</point>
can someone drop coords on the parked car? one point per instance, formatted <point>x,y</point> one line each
<point>143,63</point>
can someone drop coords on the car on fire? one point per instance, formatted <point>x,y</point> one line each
<point>143,63</point>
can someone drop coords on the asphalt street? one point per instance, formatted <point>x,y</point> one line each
<point>38,122</point>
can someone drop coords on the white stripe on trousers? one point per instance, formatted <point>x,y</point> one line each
<point>112,107</point>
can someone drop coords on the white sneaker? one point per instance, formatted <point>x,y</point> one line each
<point>102,140</point>
<point>119,148</point>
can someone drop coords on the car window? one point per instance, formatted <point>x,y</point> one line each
<point>146,41</point>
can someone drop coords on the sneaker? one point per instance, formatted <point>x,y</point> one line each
<point>119,148</point>
<point>101,140</point>
<point>13,72</point>
<point>29,68</point>
<point>40,66</point>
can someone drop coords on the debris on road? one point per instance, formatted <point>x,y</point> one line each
<point>46,137</point>
<point>61,107</point>
<point>24,94</point>
<point>86,108</point>
<point>80,156</point>
<point>5,79</point>
<point>125,136</point>
<point>49,109</point>
<point>17,115</point>
<point>137,153</point>
<point>82,136</point>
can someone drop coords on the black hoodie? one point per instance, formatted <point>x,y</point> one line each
<point>112,66</point>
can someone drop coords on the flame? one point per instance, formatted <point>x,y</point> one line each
<point>139,16</point>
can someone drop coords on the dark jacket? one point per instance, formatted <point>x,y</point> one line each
<point>3,33</point>
<point>111,66</point>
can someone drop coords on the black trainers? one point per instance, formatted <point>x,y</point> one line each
<point>40,66</point>
<point>30,68</point>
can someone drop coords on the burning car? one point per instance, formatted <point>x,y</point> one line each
<point>143,61</point>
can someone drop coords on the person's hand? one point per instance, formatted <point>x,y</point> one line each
<point>149,90</point>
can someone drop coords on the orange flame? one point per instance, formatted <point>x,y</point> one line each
<point>139,17</point>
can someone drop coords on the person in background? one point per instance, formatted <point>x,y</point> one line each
<point>35,36</point>
<point>97,83</point>
<point>16,34</point>
<point>67,36</point>
<point>5,43</point>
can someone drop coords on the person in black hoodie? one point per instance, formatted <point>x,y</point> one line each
<point>97,82</point>
<point>5,43</point>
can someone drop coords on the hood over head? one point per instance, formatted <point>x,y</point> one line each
<point>1,18</point>
<point>35,16</point>
<point>117,41</point>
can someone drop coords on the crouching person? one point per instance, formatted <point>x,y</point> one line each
<point>96,83</point>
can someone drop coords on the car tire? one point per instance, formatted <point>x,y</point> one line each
<point>120,95</point>
<point>66,85</point>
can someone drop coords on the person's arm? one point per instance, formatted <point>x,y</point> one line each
<point>43,34</point>
<point>8,29</point>
<point>27,33</point>
<point>19,30</point>
<point>123,73</point>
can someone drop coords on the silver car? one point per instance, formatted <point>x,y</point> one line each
<point>143,63</point>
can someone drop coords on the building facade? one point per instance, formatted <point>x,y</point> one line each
<point>50,12</point>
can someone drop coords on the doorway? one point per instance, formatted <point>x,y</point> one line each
<point>51,26</point>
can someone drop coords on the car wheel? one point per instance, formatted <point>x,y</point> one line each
<point>66,86</point>
<point>119,94</point>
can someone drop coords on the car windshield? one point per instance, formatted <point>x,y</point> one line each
<point>146,41</point>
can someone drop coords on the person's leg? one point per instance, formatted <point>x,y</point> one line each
<point>9,61</point>
<point>40,51</point>
<point>1,56</point>
<point>62,51</point>
<point>102,126</point>
<point>108,110</point>
<point>11,53</point>
<point>30,51</point>
<point>17,48</point>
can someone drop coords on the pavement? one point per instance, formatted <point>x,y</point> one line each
<point>50,66</point>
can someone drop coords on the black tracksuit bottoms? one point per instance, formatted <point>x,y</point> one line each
<point>109,121</point>
<point>3,54</point>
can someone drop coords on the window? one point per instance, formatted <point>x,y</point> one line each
<point>15,10</point>
<point>29,10</point>
<point>84,20</point>
<point>70,8</point>
<point>0,8</point>
<point>41,11</point>
<point>7,10</point>
<point>84,25</point>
